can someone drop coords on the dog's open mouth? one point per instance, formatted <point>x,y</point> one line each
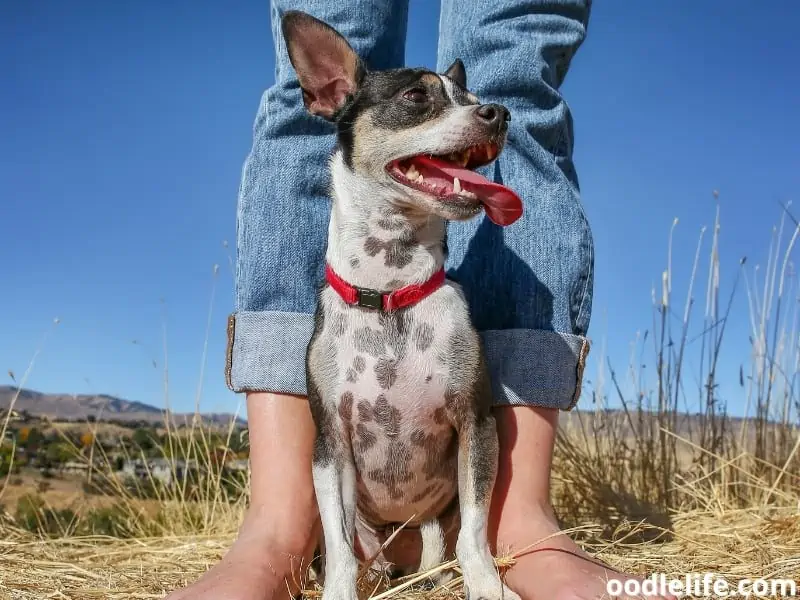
<point>451,178</point>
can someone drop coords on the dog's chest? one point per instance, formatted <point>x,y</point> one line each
<point>389,377</point>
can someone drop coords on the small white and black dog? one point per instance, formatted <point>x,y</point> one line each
<point>397,381</point>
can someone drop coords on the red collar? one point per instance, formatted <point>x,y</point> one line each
<point>366,298</point>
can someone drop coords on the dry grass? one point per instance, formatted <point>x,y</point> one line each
<point>638,488</point>
<point>733,543</point>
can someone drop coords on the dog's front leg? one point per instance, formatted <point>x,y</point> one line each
<point>335,486</point>
<point>477,470</point>
<point>334,475</point>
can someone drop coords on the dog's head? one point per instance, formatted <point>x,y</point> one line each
<point>415,133</point>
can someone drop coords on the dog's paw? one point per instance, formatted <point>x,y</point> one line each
<point>442,577</point>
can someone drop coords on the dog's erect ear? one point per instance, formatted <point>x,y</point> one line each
<point>328,68</point>
<point>457,73</point>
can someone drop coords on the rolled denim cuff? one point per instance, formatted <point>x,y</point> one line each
<point>267,351</point>
<point>530,367</point>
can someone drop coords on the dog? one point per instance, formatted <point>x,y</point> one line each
<point>396,377</point>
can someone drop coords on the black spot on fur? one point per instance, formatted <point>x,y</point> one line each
<point>354,262</point>
<point>369,341</point>
<point>359,364</point>
<point>397,251</point>
<point>387,416</point>
<point>364,411</point>
<point>346,406</point>
<point>351,376</point>
<point>396,328</point>
<point>372,246</point>
<point>423,336</point>
<point>386,372</point>
<point>365,439</point>
<point>390,224</point>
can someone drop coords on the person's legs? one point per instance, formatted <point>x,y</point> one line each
<point>282,226</point>
<point>529,285</point>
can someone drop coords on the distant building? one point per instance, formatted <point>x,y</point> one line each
<point>74,467</point>
<point>163,470</point>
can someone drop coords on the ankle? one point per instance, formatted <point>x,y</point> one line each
<point>285,535</point>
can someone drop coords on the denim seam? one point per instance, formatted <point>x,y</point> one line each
<point>580,367</point>
<point>590,264</point>
<point>231,333</point>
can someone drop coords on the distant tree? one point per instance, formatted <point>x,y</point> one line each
<point>57,454</point>
<point>35,438</point>
<point>91,419</point>
<point>6,459</point>
<point>144,439</point>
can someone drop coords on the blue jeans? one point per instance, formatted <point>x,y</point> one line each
<point>529,286</point>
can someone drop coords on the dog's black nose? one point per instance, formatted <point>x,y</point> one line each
<point>494,114</point>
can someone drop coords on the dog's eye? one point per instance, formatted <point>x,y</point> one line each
<point>417,95</point>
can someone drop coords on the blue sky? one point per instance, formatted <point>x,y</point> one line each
<point>124,127</point>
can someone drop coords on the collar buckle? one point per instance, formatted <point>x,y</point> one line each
<point>369,298</point>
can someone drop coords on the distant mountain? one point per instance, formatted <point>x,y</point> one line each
<point>69,407</point>
<point>79,407</point>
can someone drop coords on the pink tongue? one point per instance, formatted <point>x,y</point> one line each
<point>502,205</point>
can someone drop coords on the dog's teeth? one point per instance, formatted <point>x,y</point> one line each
<point>456,185</point>
<point>420,179</point>
<point>412,173</point>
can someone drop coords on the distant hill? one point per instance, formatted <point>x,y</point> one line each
<point>69,407</point>
<point>79,407</point>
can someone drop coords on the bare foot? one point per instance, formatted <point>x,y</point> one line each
<point>556,569</point>
<point>259,566</point>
